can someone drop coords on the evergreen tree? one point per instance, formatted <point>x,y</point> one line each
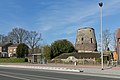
<point>22,50</point>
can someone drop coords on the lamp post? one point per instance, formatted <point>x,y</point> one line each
<point>100,5</point>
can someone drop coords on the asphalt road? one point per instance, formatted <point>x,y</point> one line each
<point>29,74</point>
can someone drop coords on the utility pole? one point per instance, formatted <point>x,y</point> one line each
<point>100,5</point>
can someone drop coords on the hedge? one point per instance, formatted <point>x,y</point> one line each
<point>13,60</point>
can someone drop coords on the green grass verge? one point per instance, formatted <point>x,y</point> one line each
<point>13,60</point>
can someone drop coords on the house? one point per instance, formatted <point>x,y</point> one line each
<point>4,50</point>
<point>0,48</point>
<point>118,43</point>
<point>12,50</point>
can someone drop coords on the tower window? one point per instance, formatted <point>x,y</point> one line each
<point>82,39</point>
<point>91,40</point>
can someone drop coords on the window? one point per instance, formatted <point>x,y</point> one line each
<point>119,40</point>
<point>82,38</point>
<point>91,40</point>
<point>4,49</point>
<point>14,49</point>
<point>10,49</point>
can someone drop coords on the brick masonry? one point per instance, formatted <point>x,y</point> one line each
<point>86,40</point>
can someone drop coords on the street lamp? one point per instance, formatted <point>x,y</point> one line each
<point>100,5</point>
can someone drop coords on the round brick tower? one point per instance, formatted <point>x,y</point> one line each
<point>86,40</point>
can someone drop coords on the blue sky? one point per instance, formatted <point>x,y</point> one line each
<point>58,19</point>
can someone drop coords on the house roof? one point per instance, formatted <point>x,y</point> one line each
<point>5,45</point>
<point>14,45</point>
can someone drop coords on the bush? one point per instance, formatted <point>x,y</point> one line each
<point>61,46</point>
<point>13,60</point>
<point>119,62</point>
<point>47,52</point>
<point>98,60</point>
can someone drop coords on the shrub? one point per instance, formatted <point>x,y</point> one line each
<point>98,60</point>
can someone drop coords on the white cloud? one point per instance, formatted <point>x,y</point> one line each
<point>111,7</point>
<point>59,18</point>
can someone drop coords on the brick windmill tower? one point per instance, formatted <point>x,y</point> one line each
<point>86,40</point>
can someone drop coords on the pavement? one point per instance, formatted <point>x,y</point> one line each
<point>92,70</point>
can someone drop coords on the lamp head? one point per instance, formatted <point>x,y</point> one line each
<point>100,4</point>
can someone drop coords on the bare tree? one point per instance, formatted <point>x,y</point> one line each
<point>18,35</point>
<point>107,38</point>
<point>114,41</point>
<point>33,40</point>
<point>4,39</point>
<point>1,38</point>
